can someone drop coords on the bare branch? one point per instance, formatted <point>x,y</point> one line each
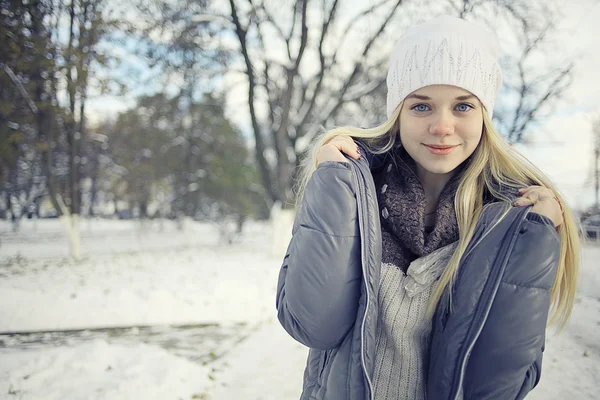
<point>287,38</point>
<point>369,88</point>
<point>358,64</point>
<point>522,94</point>
<point>531,45</point>
<point>280,136</point>
<point>15,79</point>
<point>260,146</point>
<point>467,7</point>
<point>271,95</point>
<point>303,37</point>
<point>555,90</point>
<point>351,25</point>
<point>293,27</point>
<point>324,29</point>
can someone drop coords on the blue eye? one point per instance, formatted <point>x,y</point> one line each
<point>420,107</point>
<point>463,107</point>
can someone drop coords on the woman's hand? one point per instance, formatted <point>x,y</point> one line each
<point>332,150</point>
<point>544,202</point>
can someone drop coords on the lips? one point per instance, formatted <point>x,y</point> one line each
<point>436,146</point>
<point>440,149</point>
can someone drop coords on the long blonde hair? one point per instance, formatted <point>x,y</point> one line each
<point>494,163</point>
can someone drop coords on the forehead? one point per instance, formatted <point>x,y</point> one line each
<point>441,91</point>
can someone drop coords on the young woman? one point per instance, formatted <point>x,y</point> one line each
<point>426,253</point>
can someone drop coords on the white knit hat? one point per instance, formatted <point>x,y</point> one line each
<point>446,50</point>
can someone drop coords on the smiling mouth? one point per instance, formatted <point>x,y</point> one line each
<point>440,150</point>
<point>435,146</point>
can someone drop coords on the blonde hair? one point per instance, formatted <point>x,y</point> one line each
<point>494,163</point>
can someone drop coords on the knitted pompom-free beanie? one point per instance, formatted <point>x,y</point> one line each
<point>446,50</point>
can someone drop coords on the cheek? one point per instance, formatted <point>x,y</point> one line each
<point>411,129</point>
<point>472,133</point>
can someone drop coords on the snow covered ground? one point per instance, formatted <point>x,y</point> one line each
<point>199,318</point>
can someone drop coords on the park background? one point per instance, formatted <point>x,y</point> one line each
<point>148,156</point>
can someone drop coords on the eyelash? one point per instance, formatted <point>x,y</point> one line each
<point>461,104</point>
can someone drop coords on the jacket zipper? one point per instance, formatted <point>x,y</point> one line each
<point>324,365</point>
<point>362,222</point>
<point>491,286</point>
<point>361,190</point>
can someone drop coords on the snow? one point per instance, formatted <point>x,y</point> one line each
<point>98,370</point>
<point>267,366</point>
<point>178,286</point>
<point>197,317</point>
<point>571,367</point>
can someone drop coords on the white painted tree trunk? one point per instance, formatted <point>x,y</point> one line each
<point>71,225</point>
<point>282,222</point>
<point>143,226</point>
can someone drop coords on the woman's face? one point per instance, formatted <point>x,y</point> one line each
<point>440,127</point>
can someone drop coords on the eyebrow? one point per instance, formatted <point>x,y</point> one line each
<point>420,97</point>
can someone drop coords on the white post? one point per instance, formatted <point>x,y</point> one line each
<point>70,223</point>
<point>75,237</point>
<point>282,222</point>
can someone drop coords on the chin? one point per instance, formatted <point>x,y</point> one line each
<point>440,168</point>
<point>440,171</point>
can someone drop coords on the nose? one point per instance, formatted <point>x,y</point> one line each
<point>442,125</point>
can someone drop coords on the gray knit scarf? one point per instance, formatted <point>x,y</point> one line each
<point>402,210</point>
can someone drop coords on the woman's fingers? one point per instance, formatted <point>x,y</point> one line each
<point>521,202</point>
<point>346,145</point>
<point>333,149</point>
<point>529,189</point>
<point>544,202</point>
<point>330,152</point>
<point>530,195</point>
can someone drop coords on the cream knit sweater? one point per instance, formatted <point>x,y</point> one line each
<point>403,331</point>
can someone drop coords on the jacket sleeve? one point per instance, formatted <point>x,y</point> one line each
<point>506,361</point>
<point>319,282</point>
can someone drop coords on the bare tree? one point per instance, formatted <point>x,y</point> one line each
<point>299,103</point>
<point>51,76</point>
<point>25,104</point>
<point>85,27</point>
<point>532,88</point>
<point>311,64</point>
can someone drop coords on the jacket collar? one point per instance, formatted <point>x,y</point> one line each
<point>374,161</point>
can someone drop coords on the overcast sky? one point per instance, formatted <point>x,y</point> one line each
<point>569,162</point>
<point>562,148</point>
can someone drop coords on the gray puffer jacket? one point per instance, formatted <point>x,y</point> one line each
<point>489,346</point>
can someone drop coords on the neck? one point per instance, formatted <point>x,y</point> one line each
<point>433,184</point>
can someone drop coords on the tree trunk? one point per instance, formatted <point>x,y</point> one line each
<point>240,223</point>
<point>93,194</point>
<point>38,202</point>
<point>70,224</point>
<point>8,205</point>
<point>143,209</point>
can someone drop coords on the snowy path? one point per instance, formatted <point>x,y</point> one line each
<point>134,278</point>
<point>170,277</point>
<point>201,343</point>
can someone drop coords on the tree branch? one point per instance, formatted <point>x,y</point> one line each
<point>358,64</point>
<point>260,146</point>
<point>324,29</point>
<point>554,91</point>
<point>281,137</point>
